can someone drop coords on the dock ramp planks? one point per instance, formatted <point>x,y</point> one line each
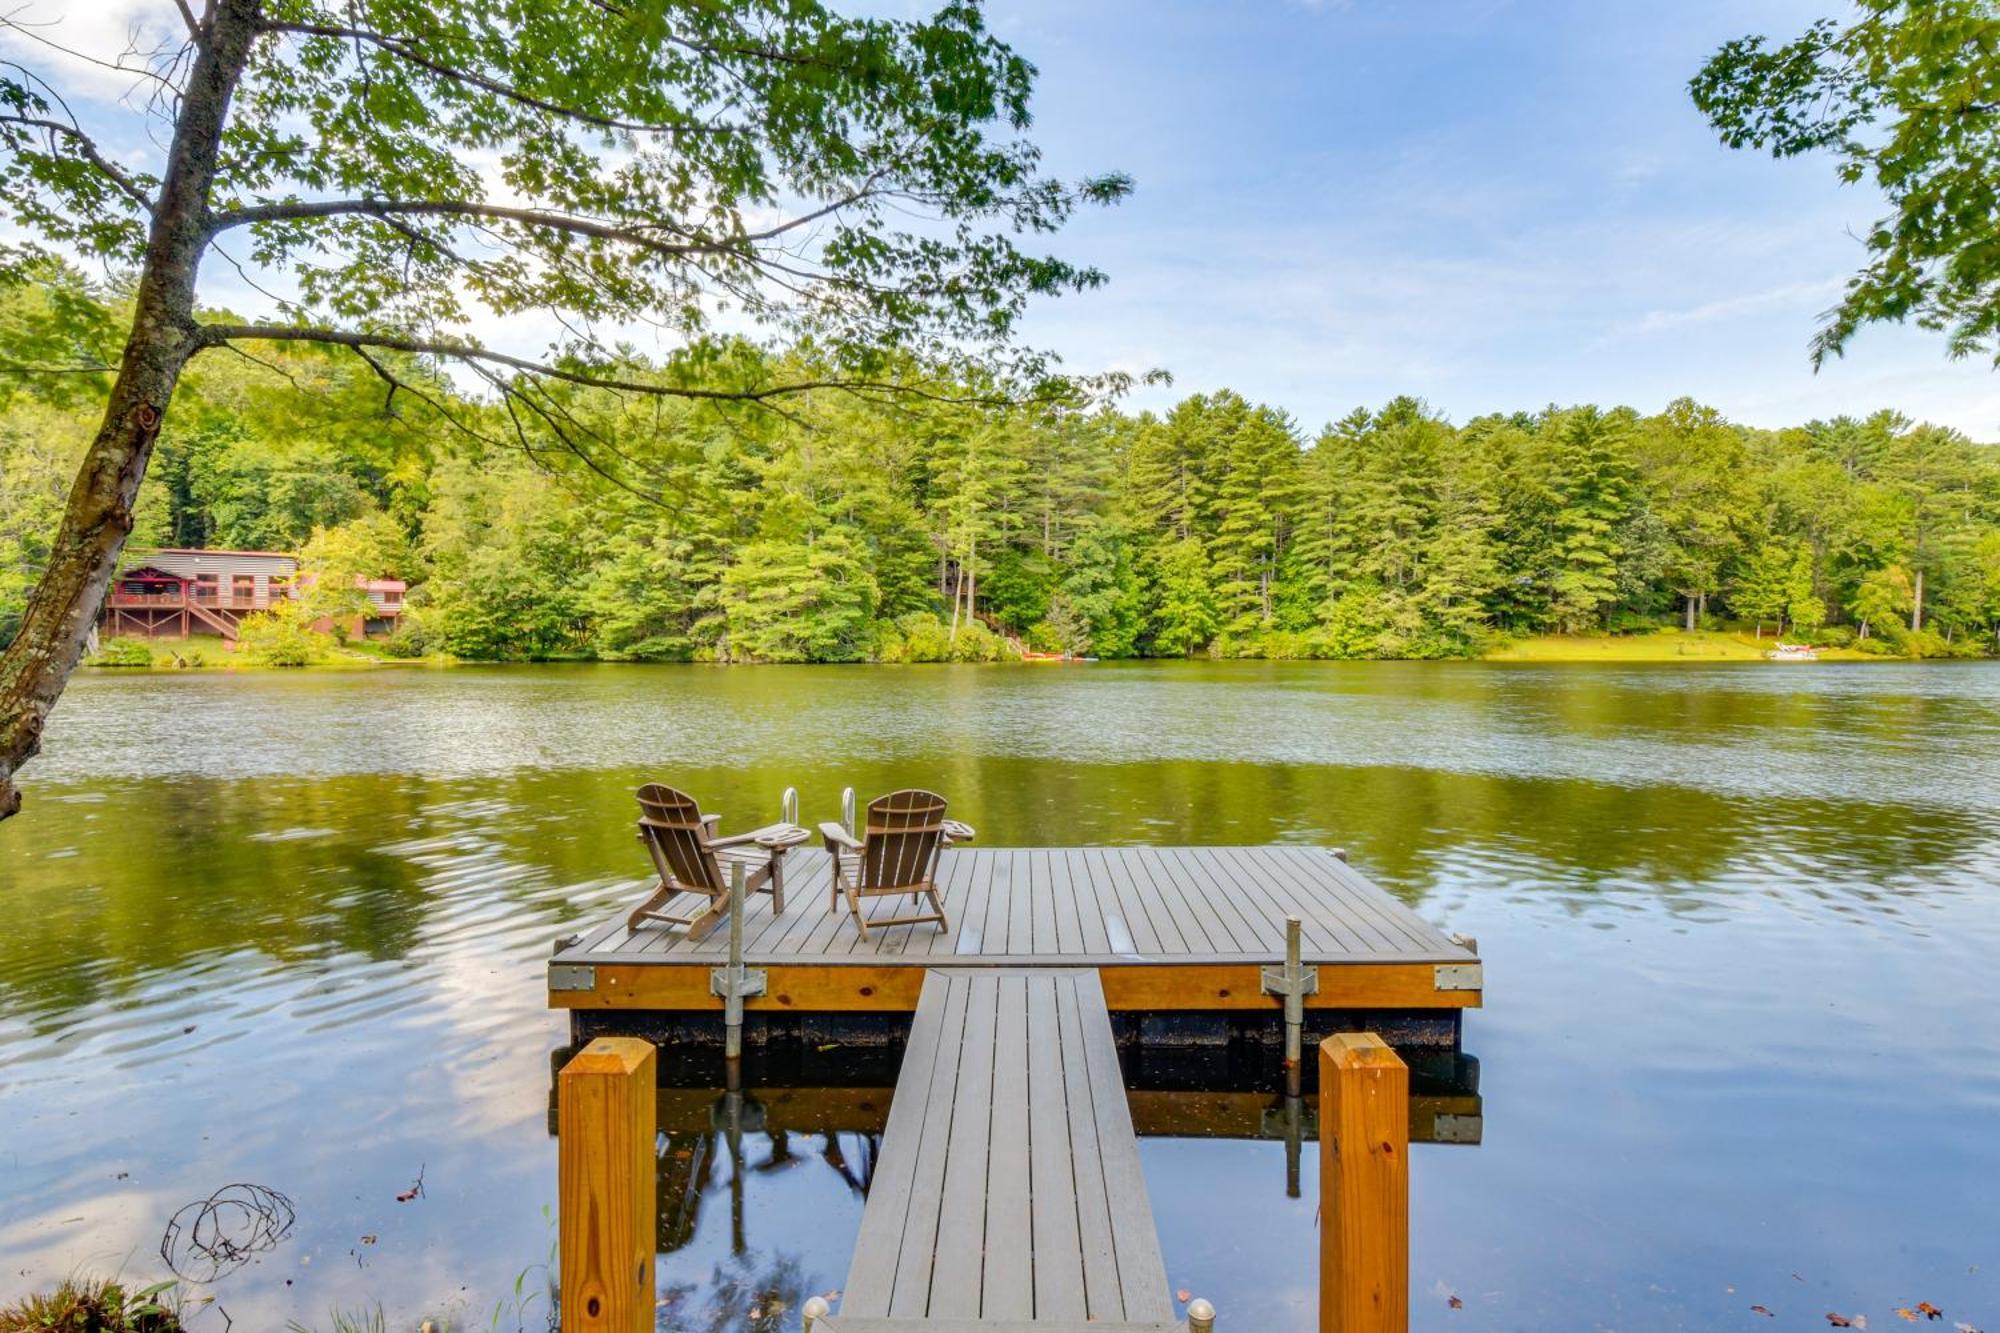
<point>1008,1191</point>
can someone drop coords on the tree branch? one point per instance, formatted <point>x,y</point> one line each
<point>216,335</point>
<point>88,150</point>
<point>400,49</point>
<point>633,235</point>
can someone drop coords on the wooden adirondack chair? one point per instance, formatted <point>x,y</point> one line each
<point>897,852</point>
<point>691,859</point>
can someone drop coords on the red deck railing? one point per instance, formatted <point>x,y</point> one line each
<point>175,601</point>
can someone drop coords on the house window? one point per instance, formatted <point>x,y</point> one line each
<point>207,587</point>
<point>243,588</point>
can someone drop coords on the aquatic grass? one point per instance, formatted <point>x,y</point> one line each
<point>95,1305</point>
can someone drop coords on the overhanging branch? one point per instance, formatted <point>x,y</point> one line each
<point>217,335</point>
<point>633,234</point>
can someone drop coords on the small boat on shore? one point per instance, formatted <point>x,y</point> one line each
<point>1793,652</point>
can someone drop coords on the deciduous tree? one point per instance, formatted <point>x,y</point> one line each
<point>405,171</point>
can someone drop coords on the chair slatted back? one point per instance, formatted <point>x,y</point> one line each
<point>902,840</point>
<point>670,821</point>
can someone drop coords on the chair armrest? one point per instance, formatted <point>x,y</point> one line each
<point>957,832</point>
<point>772,837</point>
<point>710,821</point>
<point>837,834</point>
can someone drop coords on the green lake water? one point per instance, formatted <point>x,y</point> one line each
<point>1741,1044</point>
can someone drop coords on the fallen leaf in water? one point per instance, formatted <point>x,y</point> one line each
<point>1963,1327</point>
<point>1183,1296</point>
<point>1842,1321</point>
<point>368,1240</point>
<point>1929,1311</point>
<point>1455,1303</point>
<point>1762,1310</point>
<point>833,1295</point>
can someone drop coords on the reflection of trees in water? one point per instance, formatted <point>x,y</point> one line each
<point>309,873</point>
<point>1407,826</point>
<point>694,1164</point>
<point>753,1289</point>
<point>318,872</point>
<point>751,1292</point>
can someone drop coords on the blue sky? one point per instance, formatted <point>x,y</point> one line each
<point>1492,205</point>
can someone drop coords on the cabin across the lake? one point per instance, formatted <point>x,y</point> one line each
<point>178,592</point>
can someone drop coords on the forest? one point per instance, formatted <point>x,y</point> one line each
<point>948,522</point>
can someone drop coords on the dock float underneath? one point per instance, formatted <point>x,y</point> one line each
<point>1008,1190</point>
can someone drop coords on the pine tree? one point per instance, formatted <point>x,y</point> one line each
<point>1184,616</point>
<point>1590,483</point>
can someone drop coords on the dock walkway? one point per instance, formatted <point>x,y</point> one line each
<point>1009,1189</point>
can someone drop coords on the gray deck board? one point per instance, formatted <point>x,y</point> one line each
<point>1071,907</point>
<point>1009,1188</point>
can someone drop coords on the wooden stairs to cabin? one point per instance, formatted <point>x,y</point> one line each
<point>215,620</point>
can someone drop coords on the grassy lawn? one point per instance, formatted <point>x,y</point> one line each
<point>1667,645</point>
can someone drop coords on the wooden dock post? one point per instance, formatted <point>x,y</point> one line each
<point>1364,1186</point>
<point>605,1185</point>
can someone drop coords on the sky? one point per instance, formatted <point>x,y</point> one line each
<point>1490,204</point>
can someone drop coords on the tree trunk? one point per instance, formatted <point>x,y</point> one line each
<point>1917,603</point>
<point>1689,599</point>
<point>64,605</point>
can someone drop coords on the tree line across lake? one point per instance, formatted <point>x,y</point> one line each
<point>947,524</point>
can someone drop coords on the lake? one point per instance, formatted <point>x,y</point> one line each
<point>1739,925</point>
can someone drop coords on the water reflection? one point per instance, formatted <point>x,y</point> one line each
<point>1738,926</point>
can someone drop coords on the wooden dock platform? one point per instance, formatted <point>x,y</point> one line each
<point>1008,1189</point>
<point>1167,929</point>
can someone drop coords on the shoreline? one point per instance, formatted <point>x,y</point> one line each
<point>1654,647</point>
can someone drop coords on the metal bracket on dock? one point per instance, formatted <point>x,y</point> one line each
<point>1459,976</point>
<point>1283,982</point>
<point>744,982</point>
<point>572,976</point>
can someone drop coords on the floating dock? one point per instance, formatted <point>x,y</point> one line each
<point>1008,1194</point>
<point>1168,930</point>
